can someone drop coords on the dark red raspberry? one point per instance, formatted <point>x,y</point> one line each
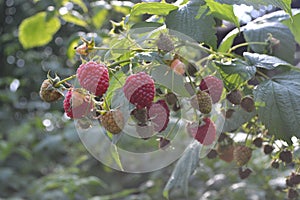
<point>205,134</point>
<point>275,164</point>
<point>258,142</point>
<point>93,77</point>
<point>286,156</point>
<point>77,104</point>
<point>159,114</point>
<point>234,97</point>
<point>139,89</point>
<point>294,178</point>
<point>248,104</point>
<point>244,173</point>
<point>268,148</point>
<point>212,154</point>
<point>292,193</point>
<point>140,116</point>
<point>213,86</point>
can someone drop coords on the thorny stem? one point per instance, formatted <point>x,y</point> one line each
<point>173,128</point>
<point>200,46</point>
<point>113,74</point>
<point>118,63</point>
<point>262,74</point>
<point>135,49</point>
<point>65,80</point>
<point>245,44</point>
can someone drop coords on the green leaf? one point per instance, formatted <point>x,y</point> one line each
<point>294,26</point>
<point>281,113</point>
<point>258,31</point>
<point>185,20</point>
<point>36,31</point>
<point>264,61</point>
<point>185,166</point>
<point>81,4</point>
<point>116,82</point>
<point>235,72</point>
<point>99,18</point>
<point>283,4</point>
<point>275,17</point>
<point>75,18</point>
<point>146,25</point>
<point>115,154</point>
<point>222,11</point>
<point>165,76</point>
<point>228,40</point>
<point>152,8</point>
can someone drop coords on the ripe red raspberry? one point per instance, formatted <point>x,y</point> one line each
<point>242,154</point>
<point>159,114</point>
<point>139,89</point>
<point>213,86</point>
<point>205,134</point>
<point>93,77</point>
<point>113,121</point>
<point>77,104</point>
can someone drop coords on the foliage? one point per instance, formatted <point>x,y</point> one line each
<point>39,145</point>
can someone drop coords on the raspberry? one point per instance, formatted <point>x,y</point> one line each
<point>294,179</point>
<point>140,115</point>
<point>286,156</point>
<point>212,154</point>
<point>164,43</point>
<point>229,113</point>
<point>159,114</point>
<point>171,98</point>
<point>244,173</point>
<point>292,193</point>
<point>178,67</point>
<point>205,134</point>
<point>139,89</point>
<point>275,164</point>
<point>234,97</point>
<point>113,121</point>
<point>247,103</point>
<point>48,92</point>
<point>242,154</point>
<point>202,102</point>
<point>213,86</point>
<point>77,104</point>
<point>226,153</point>
<point>268,149</point>
<point>258,142</point>
<point>93,77</point>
